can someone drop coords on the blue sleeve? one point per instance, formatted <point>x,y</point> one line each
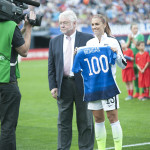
<point>76,64</point>
<point>112,56</point>
<point>128,58</point>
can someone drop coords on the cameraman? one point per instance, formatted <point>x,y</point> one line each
<point>12,43</point>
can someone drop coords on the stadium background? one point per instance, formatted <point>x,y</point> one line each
<point>120,13</point>
<point>37,125</point>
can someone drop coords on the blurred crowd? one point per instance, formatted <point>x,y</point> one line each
<point>117,11</point>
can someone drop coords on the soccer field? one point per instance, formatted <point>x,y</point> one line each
<point>37,124</point>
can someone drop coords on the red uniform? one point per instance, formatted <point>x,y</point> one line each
<point>144,78</point>
<point>128,72</point>
<point>149,69</point>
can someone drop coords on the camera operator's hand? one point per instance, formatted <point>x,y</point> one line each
<point>32,16</point>
<point>27,28</point>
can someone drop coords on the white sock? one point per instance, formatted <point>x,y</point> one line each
<point>100,133</point>
<point>117,135</point>
<point>100,130</point>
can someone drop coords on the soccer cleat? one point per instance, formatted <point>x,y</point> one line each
<point>141,97</point>
<point>148,97</point>
<point>136,95</point>
<point>143,94</point>
<point>118,145</point>
<point>128,98</point>
<point>101,143</point>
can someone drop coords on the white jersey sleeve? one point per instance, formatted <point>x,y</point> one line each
<point>121,61</point>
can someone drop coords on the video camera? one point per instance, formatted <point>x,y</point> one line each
<point>13,10</point>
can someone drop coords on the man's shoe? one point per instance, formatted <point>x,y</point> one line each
<point>128,98</point>
<point>136,95</point>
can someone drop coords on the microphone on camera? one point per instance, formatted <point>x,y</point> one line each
<point>29,2</point>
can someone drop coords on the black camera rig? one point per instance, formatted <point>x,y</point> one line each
<point>13,10</point>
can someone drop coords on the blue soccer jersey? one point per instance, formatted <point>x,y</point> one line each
<point>95,64</point>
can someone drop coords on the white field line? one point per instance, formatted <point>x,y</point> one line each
<point>132,145</point>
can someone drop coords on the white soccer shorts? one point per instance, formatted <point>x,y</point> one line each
<point>107,105</point>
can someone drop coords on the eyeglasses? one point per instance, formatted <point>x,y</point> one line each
<point>64,23</point>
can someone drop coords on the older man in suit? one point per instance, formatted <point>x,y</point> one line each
<point>63,85</point>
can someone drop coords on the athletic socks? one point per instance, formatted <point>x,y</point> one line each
<point>128,92</point>
<point>117,135</point>
<point>146,92</point>
<point>131,93</point>
<point>100,133</point>
<point>137,89</point>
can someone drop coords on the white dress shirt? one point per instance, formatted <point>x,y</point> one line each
<point>65,43</point>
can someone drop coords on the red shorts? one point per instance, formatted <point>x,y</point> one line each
<point>144,79</point>
<point>128,75</point>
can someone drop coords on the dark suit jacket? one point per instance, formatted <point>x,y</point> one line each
<point>55,59</point>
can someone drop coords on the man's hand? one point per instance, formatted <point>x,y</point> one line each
<point>32,16</point>
<point>26,30</point>
<point>54,93</point>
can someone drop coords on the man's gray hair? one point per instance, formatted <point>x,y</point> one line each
<point>69,14</point>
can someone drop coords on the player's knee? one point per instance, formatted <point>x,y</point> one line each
<point>112,118</point>
<point>99,119</point>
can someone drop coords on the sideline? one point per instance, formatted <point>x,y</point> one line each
<point>132,145</point>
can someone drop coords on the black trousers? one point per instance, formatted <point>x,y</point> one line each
<point>9,111</point>
<point>70,96</point>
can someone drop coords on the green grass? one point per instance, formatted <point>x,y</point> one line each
<point>37,124</point>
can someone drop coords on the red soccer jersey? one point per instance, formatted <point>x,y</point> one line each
<point>142,59</point>
<point>129,53</point>
<point>149,61</point>
<point>144,78</point>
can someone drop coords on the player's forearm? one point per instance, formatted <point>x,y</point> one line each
<point>148,42</point>
<point>129,58</point>
<point>134,42</point>
<point>128,43</point>
<point>121,61</point>
<point>139,68</point>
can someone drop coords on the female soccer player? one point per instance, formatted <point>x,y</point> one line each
<point>103,38</point>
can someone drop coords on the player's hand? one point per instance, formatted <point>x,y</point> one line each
<point>142,70</point>
<point>130,36</point>
<point>54,93</point>
<point>114,49</point>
